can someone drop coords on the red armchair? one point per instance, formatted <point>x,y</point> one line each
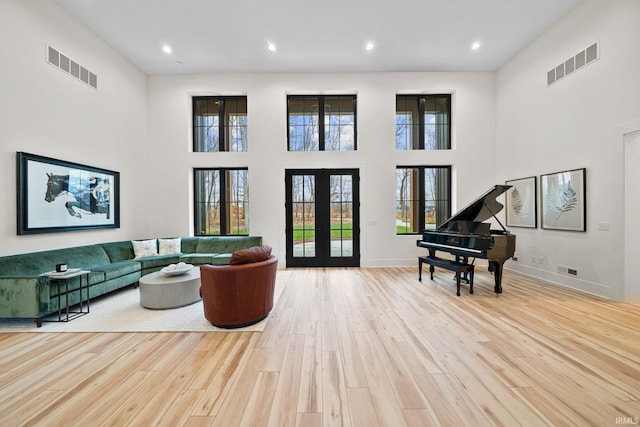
<point>238,295</point>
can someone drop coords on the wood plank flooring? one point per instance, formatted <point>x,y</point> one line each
<point>348,347</point>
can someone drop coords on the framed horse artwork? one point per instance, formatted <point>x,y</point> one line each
<point>55,195</point>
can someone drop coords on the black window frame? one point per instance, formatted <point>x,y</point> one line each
<point>224,214</point>
<point>442,212</point>
<point>321,120</point>
<point>224,140</point>
<point>422,101</point>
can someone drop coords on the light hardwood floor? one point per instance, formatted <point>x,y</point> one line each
<point>349,347</point>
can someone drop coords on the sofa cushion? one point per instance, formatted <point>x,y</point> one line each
<point>96,277</point>
<point>119,251</point>
<point>169,246</point>
<point>117,269</point>
<point>189,245</point>
<point>254,254</point>
<point>197,259</point>
<point>221,259</point>
<point>158,261</point>
<point>225,244</point>
<point>144,248</point>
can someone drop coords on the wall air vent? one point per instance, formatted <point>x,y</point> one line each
<point>576,62</point>
<point>71,67</point>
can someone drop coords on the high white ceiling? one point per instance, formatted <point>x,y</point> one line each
<point>317,35</point>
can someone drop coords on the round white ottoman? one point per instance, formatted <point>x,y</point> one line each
<point>159,290</point>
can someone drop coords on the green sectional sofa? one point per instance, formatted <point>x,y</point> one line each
<point>26,293</point>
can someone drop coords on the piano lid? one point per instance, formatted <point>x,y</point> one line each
<point>481,209</point>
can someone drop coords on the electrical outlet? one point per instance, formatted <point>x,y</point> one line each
<point>572,271</point>
<point>603,226</point>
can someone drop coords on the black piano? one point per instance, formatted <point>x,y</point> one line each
<point>465,236</point>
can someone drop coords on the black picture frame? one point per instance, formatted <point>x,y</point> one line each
<point>55,195</point>
<point>521,203</point>
<point>564,200</point>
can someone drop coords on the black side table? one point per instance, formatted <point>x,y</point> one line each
<point>63,278</point>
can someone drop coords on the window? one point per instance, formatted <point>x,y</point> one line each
<point>423,198</point>
<point>219,123</point>
<point>423,122</point>
<point>221,201</point>
<point>321,123</point>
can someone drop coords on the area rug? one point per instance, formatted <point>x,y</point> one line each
<point>121,312</point>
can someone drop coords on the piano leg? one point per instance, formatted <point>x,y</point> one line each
<point>496,268</point>
<point>465,276</point>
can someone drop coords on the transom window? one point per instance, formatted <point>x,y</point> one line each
<point>219,123</point>
<point>423,122</point>
<point>221,201</point>
<point>423,198</point>
<point>321,123</point>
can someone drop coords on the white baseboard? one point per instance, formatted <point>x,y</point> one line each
<point>591,288</point>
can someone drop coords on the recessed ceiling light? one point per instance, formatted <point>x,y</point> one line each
<point>475,46</point>
<point>370,46</point>
<point>271,47</point>
<point>166,48</point>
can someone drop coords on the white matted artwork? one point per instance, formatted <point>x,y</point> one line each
<point>563,200</point>
<point>521,203</point>
<point>56,195</point>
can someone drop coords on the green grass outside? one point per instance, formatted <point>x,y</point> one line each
<point>300,234</point>
<point>403,229</point>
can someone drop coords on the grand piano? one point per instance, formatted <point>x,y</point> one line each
<point>465,236</point>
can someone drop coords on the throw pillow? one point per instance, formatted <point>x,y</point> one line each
<point>169,246</point>
<point>254,254</point>
<point>144,248</point>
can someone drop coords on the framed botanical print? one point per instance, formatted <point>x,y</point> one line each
<point>563,200</point>
<point>521,203</point>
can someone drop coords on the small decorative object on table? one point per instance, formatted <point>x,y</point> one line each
<point>175,269</point>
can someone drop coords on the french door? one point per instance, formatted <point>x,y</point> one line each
<point>322,217</point>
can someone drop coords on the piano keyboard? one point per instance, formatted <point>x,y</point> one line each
<point>457,248</point>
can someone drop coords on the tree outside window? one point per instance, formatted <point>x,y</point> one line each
<point>423,198</point>
<point>220,124</point>
<point>423,122</point>
<point>221,201</point>
<point>321,123</point>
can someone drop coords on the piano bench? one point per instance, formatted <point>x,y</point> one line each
<point>447,264</point>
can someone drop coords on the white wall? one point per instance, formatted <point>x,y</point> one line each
<point>171,161</point>
<point>47,112</point>
<point>572,124</point>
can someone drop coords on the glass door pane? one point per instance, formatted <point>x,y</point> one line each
<point>341,215</point>
<point>303,194</point>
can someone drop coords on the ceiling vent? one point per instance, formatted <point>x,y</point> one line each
<point>573,64</point>
<point>71,67</point>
